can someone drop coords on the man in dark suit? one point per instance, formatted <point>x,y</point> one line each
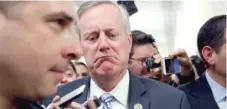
<point>209,91</point>
<point>106,41</point>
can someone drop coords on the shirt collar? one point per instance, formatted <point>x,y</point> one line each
<point>219,92</point>
<point>120,92</point>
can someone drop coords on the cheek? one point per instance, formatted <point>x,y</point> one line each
<point>136,68</point>
<point>220,62</point>
<point>74,76</point>
<point>221,58</point>
<point>88,53</point>
<point>121,48</point>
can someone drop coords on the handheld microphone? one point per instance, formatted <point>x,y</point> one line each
<point>69,97</point>
<point>96,101</point>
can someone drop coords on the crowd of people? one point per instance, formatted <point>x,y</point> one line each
<point>42,42</point>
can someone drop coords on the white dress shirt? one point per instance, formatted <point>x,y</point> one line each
<point>219,92</point>
<point>120,93</point>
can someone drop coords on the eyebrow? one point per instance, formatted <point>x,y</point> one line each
<point>97,30</point>
<point>141,58</point>
<point>90,32</point>
<point>62,15</point>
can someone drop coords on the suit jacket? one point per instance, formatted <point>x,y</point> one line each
<point>25,104</point>
<point>150,94</point>
<point>199,94</point>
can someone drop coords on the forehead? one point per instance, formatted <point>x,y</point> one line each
<point>101,15</point>
<point>146,50</point>
<point>47,7</point>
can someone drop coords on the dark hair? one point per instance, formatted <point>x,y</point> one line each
<point>141,38</point>
<point>212,34</point>
<point>199,64</point>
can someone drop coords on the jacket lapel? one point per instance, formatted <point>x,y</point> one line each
<point>136,97</point>
<point>203,94</point>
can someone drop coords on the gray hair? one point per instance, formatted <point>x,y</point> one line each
<point>12,9</point>
<point>89,4</point>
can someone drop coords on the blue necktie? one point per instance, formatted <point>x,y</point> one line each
<point>106,98</point>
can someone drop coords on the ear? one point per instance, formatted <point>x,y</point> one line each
<point>209,55</point>
<point>130,40</point>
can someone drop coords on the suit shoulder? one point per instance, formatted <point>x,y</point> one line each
<point>161,87</point>
<point>185,87</point>
<point>191,86</point>
<point>158,92</point>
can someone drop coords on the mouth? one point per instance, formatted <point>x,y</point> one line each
<point>59,70</point>
<point>103,57</point>
<point>56,71</point>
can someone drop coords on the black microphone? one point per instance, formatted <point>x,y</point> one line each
<point>96,101</point>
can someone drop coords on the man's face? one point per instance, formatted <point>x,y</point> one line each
<point>106,44</point>
<point>35,48</point>
<point>81,71</point>
<point>220,60</point>
<point>140,53</point>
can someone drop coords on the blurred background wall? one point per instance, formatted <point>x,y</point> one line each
<point>174,24</point>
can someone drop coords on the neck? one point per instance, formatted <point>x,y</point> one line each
<point>220,79</point>
<point>6,103</point>
<point>109,83</point>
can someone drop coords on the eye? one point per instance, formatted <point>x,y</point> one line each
<point>84,74</point>
<point>62,22</point>
<point>93,37</point>
<point>69,74</point>
<point>110,34</point>
<point>59,23</point>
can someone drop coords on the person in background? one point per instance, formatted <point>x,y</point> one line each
<point>144,47</point>
<point>209,91</point>
<point>70,75</point>
<point>199,65</point>
<point>106,40</point>
<point>82,70</point>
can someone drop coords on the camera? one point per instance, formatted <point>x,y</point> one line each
<point>151,64</point>
<point>170,66</point>
<point>129,5</point>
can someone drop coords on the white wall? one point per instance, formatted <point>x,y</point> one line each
<point>174,24</point>
<point>191,16</point>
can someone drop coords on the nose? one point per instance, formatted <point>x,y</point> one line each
<point>64,81</point>
<point>79,77</point>
<point>73,50</point>
<point>103,43</point>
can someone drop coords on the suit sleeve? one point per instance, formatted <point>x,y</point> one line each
<point>184,103</point>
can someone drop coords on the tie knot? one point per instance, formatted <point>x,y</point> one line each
<point>106,97</point>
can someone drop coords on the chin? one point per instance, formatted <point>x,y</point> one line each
<point>47,92</point>
<point>102,73</point>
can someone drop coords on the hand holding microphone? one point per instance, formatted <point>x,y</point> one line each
<point>67,101</point>
<point>90,104</point>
